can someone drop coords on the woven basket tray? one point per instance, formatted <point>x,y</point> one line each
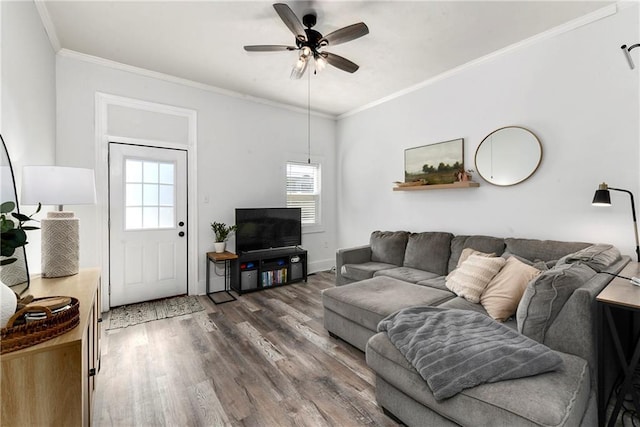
<point>36,331</point>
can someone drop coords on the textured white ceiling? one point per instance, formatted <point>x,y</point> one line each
<point>409,41</point>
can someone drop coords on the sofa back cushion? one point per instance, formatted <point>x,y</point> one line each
<point>428,251</point>
<point>545,296</point>
<point>486,244</point>
<point>388,246</point>
<point>542,250</point>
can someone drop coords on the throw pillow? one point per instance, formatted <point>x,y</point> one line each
<point>472,277</point>
<point>388,246</point>
<point>467,252</point>
<point>545,296</point>
<point>503,293</point>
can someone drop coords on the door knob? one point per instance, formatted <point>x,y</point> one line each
<point>181,234</point>
<point>181,223</point>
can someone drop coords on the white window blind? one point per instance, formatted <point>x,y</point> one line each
<point>303,190</point>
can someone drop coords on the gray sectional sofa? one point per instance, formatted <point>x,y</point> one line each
<point>400,269</point>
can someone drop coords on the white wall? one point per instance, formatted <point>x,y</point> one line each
<point>575,91</point>
<point>241,148</point>
<point>28,98</point>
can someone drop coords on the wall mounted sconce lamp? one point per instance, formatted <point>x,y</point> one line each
<point>626,51</point>
<point>603,198</point>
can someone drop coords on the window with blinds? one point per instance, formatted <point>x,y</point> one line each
<point>303,190</point>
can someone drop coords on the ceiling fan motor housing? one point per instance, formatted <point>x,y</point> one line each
<point>309,20</point>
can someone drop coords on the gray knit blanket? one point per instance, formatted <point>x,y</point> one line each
<point>457,349</point>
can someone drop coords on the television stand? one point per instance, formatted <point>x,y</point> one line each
<point>269,268</point>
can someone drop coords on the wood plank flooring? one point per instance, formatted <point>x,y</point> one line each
<point>263,360</point>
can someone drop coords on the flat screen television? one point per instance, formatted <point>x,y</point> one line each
<point>265,228</point>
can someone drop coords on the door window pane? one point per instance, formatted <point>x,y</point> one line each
<point>166,195</point>
<point>166,173</point>
<point>133,170</point>
<point>150,217</point>
<point>150,197</point>
<point>134,195</point>
<point>149,204</point>
<point>150,170</point>
<point>166,217</point>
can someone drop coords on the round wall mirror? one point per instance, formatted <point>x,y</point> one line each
<point>508,156</point>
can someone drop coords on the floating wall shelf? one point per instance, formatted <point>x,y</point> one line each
<point>466,184</point>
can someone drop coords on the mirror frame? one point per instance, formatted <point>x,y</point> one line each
<point>15,199</point>
<point>537,166</point>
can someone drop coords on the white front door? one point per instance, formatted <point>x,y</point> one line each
<point>148,230</point>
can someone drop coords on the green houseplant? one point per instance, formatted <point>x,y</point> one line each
<point>222,232</point>
<point>12,237</point>
<point>12,231</point>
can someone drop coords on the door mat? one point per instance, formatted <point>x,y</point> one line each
<point>129,315</point>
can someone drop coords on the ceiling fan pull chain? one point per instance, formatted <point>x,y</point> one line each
<point>309,119</point>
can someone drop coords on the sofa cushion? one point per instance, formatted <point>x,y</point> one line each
<point>460,303</point>
<point>545,250</point>
<point>486,244</point>
<point>428,251</point>
<point>370,301</point>
<point>557,398</point>
<point>504,291</point>
<point>545,296</point>
<point>437,282</point>
<point>599,257</point>
<point>363,271</point>
<point>388,246</point>
<point>407,274</point>
<point>472,277</point>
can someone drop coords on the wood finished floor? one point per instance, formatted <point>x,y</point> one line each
<point>264,360</point>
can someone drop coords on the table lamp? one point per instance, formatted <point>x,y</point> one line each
<point>603,198</point>
<point>57,185</point>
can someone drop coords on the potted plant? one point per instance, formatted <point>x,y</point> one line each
<point>222,231</point>
<point>12,237</point>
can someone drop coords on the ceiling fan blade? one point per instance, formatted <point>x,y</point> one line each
<point>345,34</point>
<point>300,67</point>
<point>340,62</point>
<point>291,20</point>
<point>268,48</point>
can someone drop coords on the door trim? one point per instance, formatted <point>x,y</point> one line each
<point>102,140</point>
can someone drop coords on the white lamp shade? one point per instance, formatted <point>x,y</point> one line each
<point>57,185</point>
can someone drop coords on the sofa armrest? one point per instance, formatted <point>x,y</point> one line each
<point>355,255</point>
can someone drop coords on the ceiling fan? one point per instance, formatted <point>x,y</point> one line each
<point>310,42</point>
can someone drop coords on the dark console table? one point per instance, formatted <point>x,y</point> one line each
<point>618,297</point>
<point>265,269</point>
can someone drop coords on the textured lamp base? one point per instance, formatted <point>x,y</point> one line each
<point>60,244</point>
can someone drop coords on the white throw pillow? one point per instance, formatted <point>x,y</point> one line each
<point>472,277</point>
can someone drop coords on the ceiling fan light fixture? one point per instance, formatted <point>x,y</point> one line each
<point>321,62</point>
<point>299,67</point>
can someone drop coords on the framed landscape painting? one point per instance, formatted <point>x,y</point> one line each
<point>435,163</point>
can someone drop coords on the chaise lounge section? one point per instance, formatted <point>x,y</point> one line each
<point>557,308</point>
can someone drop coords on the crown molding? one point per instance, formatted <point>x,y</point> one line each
<point>49,28</point>
<point>553,32</point>
<point>66,53</point>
